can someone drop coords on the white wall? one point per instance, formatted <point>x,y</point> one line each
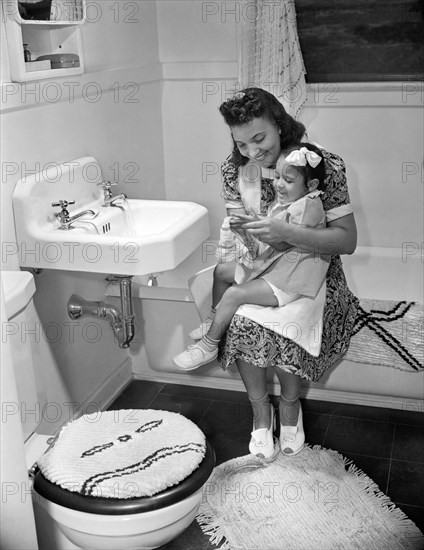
<point>378,130</point>
<point>122,128</point>
<point>198,72</point>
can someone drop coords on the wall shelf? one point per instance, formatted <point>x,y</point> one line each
<point>45,37</point>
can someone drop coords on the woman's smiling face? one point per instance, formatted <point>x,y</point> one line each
<point>258,139</point>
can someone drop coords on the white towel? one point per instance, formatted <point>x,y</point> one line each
<point>250,186</point>
<point>300,321</point>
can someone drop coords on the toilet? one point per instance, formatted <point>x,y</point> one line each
<point>67,520</point>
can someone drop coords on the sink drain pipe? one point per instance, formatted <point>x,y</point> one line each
<point>122,322</point>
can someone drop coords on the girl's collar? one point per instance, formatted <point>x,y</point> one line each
<point>314,194</point>
<point>311,195</point>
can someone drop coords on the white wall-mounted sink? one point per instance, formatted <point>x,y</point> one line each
<point>135,237</point>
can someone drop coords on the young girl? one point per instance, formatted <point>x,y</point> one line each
<point>276,278</point>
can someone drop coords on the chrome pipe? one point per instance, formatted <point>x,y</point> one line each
<point>127,315</point>
<point>122,322</point>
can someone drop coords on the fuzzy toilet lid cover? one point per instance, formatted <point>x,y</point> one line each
<point>124,454</point>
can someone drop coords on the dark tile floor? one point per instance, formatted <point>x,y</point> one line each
<point>386,444</point>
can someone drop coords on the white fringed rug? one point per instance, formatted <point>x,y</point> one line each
<point>316,500</point>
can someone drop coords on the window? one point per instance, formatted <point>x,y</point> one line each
<point>361,40</point>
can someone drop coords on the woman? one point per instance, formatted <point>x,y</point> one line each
<point>262,131</point>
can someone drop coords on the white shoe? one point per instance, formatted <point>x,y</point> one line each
<point>199,332</point>
<point>194,356</point>
<point>262,440</point>
<point>292,438</point>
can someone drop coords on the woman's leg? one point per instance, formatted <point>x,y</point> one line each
<point>254,380</point>
<point>292,435</point>
<point>262,442</point>
<point>289,402</point>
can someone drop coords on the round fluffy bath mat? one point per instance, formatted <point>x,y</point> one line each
<point>125,453</point>
<point>314,500</point>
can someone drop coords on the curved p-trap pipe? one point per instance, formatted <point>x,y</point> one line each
<point>122,322</point>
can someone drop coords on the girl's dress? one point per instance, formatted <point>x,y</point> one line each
<point>294,271</point>
<point>248,341</point>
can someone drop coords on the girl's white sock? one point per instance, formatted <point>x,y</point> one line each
<point>208,344</point>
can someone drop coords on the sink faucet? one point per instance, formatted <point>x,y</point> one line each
<point>111,201</point>
<point>65,219</point>
<point>80,214</point>
<point>108,198</point>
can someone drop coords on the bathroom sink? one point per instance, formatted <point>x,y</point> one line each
<point>132,237</point>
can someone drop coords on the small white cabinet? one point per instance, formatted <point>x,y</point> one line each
<point>51,30</point>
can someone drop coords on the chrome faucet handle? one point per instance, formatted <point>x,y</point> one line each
<point>62,203</point>
<point>63,215</point>
<point>107,184</point>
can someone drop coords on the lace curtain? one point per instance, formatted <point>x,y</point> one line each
<point>270,55</point>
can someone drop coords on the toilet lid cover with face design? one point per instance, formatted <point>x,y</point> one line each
<point>124,454</point>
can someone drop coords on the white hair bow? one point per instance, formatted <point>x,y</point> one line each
<point>303,156</point>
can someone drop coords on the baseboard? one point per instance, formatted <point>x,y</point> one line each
<point>109,389</point>
<point>200,382</point>
<point>364,399</point>
<point>320,394</point>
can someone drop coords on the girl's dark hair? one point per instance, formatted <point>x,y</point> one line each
<point>309,171</point>
<point>253,103</point>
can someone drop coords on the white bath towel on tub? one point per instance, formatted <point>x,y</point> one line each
<point>300,321</point>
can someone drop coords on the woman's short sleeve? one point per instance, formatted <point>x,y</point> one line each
<point>335,198</point>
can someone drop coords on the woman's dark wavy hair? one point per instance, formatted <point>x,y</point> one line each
<point>253,103</point>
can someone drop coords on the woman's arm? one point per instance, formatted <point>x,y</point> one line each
<point>339,237</point>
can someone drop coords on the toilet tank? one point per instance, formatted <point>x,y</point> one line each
<point>22,329</point>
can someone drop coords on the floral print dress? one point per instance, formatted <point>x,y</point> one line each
<point>261,347</point>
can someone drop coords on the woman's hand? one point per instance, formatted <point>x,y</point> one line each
<point>267,230</point>
<point>239,219</point>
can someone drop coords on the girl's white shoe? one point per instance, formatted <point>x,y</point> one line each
<point>292,438</point>
<point>195,356</point>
